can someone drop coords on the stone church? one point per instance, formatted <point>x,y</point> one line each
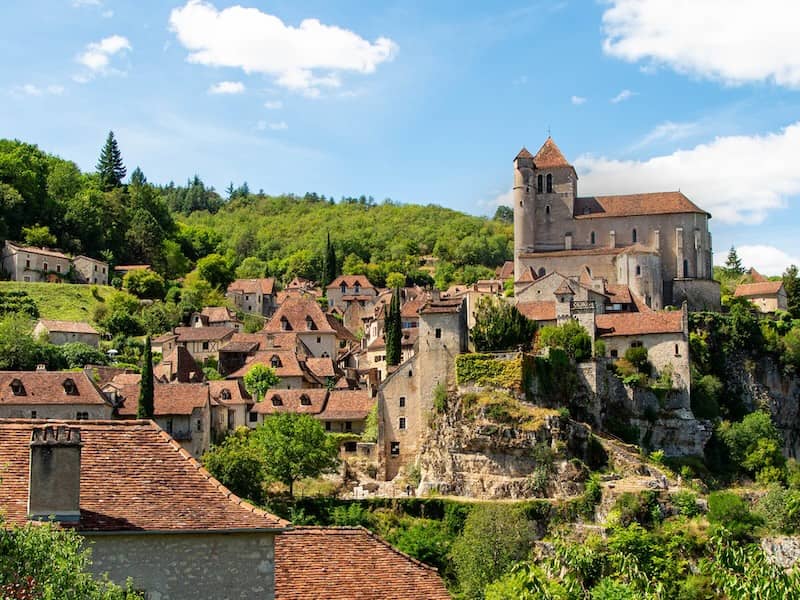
<point>657,244</point>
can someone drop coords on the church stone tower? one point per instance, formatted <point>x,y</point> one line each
<point>524,196</point>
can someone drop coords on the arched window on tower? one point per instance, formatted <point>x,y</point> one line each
<point>634,237</point>
<point>547,209</point>
<point>542,272</point>
<point>685,268</point>
<point>593,239</point>
<point>539,184</point>
<point>549,183</point>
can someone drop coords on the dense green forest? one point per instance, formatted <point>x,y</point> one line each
<point>46,200</point>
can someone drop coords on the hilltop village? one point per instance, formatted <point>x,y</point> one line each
<point>606,297</point>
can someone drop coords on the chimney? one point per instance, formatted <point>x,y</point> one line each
<point>55,474</point>
<point>41,367</point>
<point>435,295</point>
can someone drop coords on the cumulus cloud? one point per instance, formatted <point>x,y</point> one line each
<point>305,59</point>
<point>578,100</point>
<point>739,179</point>
<point>227,87</point>
<point>735,42</point>
<point>273,105</point>
<point>29,89</point>
<point>669,132</point>
<point>622,96</point>
<point>97,56</point>
<point>279,126</point>
<point>767,260</point>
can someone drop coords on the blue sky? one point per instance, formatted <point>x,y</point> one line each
<point>427,102</point>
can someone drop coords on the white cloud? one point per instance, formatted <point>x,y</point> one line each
<point>622,96</point>
<point>669,132</point>
<point>578,100</point>
<point>504,199</point>
<point>732,41</point>
<point>97,56</point>
<point>273,105</point>
<point>107,14</point>
<point>79,3</point>
<point>227,87</point>
<point>279,126</point>
<point>739,179</point>
<point>767,260</point>
<point>258,42</point>
<point>29,89</point>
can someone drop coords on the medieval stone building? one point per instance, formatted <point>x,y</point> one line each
<point>657,244</point>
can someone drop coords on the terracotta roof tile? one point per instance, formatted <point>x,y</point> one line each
<point>168,398</point>
<point>351,281</point>
<point>342,332</point>
<point>619,293</point>
<point>263,285</point>
<point>610,325</point>
<point>755,276</point>
<point>219,314</point>
<point>444,305</point>
<point>199,334</point>
<point>506,271</point>
<point>291,401</point>
<point>35,250</point>
<point>321,367</point>
<point>410,337</point>
<point>178,365</point>
<point>49,387</point>
<point>656,203</point>
<point>235,392</point>
<point>564,288</point>
<point>315,563</point>
<point>295,311</point>
<point>549,156</point>
<point>289,366</point>
<point>134,477</point>
<point>528,274</point>
<point>523,153</point>
<point>348,405</point>
<point>68,326</point>
<point>538,310</point>
<point>764,288</point>
<point>131,268</point>
<point>575,252</point>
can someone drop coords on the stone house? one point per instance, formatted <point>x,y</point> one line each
<point>656,243</point>
<point>277,401</point>
<point>178,366</point>
<point>304,317</point>
<point>201,342</point>
<point>51,395</point>
<point>286,365</point>
<point>66,332</point>
<point>90,270</point>
<point>766,296</point>
<point>346,411</point>
<point>254,296</point>
<point>230,405</point>
<point>366,568</point>
<point>183,410</point>
<point>216,316</point>
<point>148,509</point>
<point>28,263</point>
<point>354,297</point>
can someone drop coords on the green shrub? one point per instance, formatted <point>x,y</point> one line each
<point>637,356</point>
<point>570,337</point>
<point>780,509</point>
<point>686,503</point>
<point>728,510</point>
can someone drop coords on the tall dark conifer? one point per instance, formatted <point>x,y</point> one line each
<point>329,271</point>
<point>393,331</point>
<point>110,166</point>
<point>146,408</point>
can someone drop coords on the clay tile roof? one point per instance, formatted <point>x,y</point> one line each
<point>263,285</point>
<point>549,156</point>
<point>756,276</point>
<point>168,398</point>
<point>527,275</point>
<point>610,325</point>
<point>619,293</point>
<point>538,310</point>
<point>286,358</point>
<point>291,401</point>
<point>233,388</point>
<point>412,307</point>
<point>410,337</point>
<point>178,364</point>
<point>656,203</point>
<point>198,334</point>
<point>134,477</point>
<point>321,367</point>
<point>564,288</point>
<point>242,347</point>
<point>68,326</point>
<point>523,154</point>
<point>445,305</point>
<point>350,281</point>
<point>49,387</point>
<point>506,271</point>
<point>164,337</point>
<point>218,314</point>
<point>348,405</point>
<point>312,563</point>
<point>295,310</point>
<point>764,288</point>
<point>35,250</point>
<point>575,252</point>
<point>342,332</point>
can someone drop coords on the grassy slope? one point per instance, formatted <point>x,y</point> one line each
<point>62,301</point>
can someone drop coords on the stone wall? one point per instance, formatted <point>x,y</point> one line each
<point>699,294</point>
<point>54,411</point>
<point>189,566</point>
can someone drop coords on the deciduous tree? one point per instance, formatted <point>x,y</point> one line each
<point>500,326</point>
<point>259,379</point>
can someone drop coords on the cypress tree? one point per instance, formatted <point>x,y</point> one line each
<point>110,166</point>
<point>393,331</point>
<point>329,271</point>
<point>146,408</point>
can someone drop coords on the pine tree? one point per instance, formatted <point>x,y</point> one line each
<point>393,331</point>
<point>329,271</point>
<point>733,265</point>
<point>146,408</point>
<point>109,166</point>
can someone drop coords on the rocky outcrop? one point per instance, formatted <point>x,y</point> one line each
<point>782,551</point>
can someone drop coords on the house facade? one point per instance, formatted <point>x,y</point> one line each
<point>31,264</point>
<point>90,270</point>
<point>766,296</point>
<point>254,296</point>
<point>66,332</point>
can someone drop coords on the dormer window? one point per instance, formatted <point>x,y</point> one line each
<point>285,326</point>
<point>276,400</point>
<point>305,400</point>
<point>225,394</point>
<point>310,324</point>
<point>17,388</point>
<point>549,183</point>
<point>357,288</point>
<point>539,184</point>
<point>69,387</point>
<point>343,288</point>
<point>275,363</point>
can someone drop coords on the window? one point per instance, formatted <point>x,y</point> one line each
<point>199,425</point>
<point>225,394</point>
<point>275,362</point>
<point>44,266</point>
<point>348,426</point>
<point>402,401</point>
<point>285,324</point>
<point>169,426</point>
<point>327,425</point>
<point>104,270</point>
<point>33,414</point>
<point>319,340</point>
<point>350,446</point>
<point>95,268</point>
<point>58,268</point>
<point>357,288</point>
<point>276,400</point>
<point>638,270</point>
<point>636,344</point>
<point>539,184</point>
<point>231,419</point>
<point>592,238</point>
<point>205,345</point>
<point>410,373</point>
<point>82,416</point>
<point>614,354</point>
<point>343,288</point>
<point>542,272</point>
<point>677,350</point>
<point>69,387</point>
<point>402,423</point>
<point>634,236</point>
<point>362,303</point>
<point>305,400</point>
<point>685,268</point>
<point>547,209</point>
<point>28,264</point>
<point>549,183</point>
<point>394,449</point>
<point>17,388</point>
<point>438,333</point>
<point>310,324</point>
<point>253,417</point>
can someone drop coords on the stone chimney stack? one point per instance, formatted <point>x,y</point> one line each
<point>54,489</point>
